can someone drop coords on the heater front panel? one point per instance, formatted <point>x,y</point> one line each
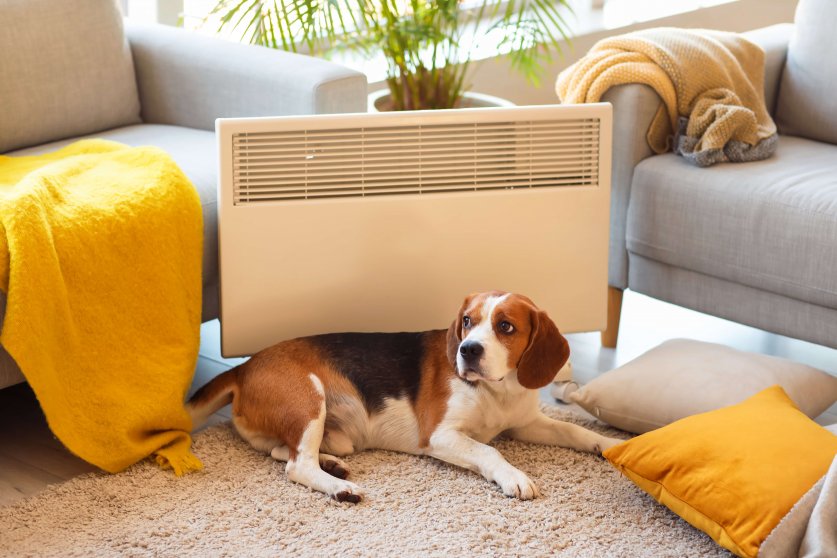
<point>303,255</point>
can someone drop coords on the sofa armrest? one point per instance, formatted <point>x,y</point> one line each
<point>187,79</point>
<point>634,107</point>
<point>774,40</point>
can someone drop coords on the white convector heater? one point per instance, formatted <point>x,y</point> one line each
<point>384,222</point>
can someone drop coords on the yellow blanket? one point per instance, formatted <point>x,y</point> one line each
<point>100,257</point>
<point>714,79</point>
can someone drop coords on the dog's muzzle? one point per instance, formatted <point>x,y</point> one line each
<point>471,353</point>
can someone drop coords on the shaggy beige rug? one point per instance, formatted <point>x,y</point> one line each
<point>243,505</point>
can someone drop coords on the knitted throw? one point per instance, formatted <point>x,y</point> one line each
<point>711,84</point>
<point>100,259</point>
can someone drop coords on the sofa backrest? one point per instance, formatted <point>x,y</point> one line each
<point>807,104</point>
<point>65,70</point>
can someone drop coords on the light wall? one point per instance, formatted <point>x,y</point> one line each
<point>494,76</point>
<point>166,12</point>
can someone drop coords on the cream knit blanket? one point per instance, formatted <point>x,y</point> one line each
<point>711,84</point>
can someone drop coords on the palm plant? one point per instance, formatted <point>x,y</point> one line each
<point>427,44</point>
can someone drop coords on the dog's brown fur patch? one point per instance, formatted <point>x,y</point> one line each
<point>434,390</point>
<point>276,397</point>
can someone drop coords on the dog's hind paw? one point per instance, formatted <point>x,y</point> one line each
<point>334,467</point>
<point>345,491</point>
<point>345,496</point>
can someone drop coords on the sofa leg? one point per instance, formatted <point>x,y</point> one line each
<point>614,311</point>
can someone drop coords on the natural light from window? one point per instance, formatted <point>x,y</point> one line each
<point>589,16</point>
<point>613,15</point>
<point>620,13</point>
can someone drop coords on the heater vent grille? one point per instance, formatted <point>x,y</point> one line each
<point>414,159</point>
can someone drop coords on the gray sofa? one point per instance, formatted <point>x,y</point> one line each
<point>75,71</point>
<point>755,243</point>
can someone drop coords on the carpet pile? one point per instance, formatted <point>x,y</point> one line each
<point>243,505</point>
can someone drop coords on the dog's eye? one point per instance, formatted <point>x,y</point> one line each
<point>506,327</point>
<point>466,321</point>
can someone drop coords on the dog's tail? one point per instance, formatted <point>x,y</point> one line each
<point>218,392</point>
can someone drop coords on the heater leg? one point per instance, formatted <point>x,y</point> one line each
<point>614,311</point>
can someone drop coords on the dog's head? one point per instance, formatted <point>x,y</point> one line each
<point>496,334</point>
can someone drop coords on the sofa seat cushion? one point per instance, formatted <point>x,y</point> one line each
<point>771,224</point>
<point>65,70</point>
<point>195,151</point>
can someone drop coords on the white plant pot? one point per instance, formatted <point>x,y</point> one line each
<point>379,99</point>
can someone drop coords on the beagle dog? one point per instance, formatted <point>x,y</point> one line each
<point>444,393</point>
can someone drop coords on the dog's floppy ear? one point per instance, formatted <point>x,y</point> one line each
<point>455,331</point>
<point>547,352</point>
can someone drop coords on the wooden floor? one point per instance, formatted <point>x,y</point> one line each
<point>31,458</point>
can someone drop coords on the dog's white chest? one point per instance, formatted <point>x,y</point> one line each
<point>482,413</point>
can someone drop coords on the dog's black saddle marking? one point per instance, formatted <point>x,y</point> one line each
<point>380,365</point>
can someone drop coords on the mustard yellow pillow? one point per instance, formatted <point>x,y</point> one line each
<point>734,472</point>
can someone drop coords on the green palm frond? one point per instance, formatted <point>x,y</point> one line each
<point>423,41</point>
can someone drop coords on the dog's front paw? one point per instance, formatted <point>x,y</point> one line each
<point>605,443</point>
<point>516,484</point>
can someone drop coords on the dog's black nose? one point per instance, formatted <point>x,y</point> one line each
<point>470,350</point>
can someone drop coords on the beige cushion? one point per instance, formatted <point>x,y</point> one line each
<point>807,104</point>
<point>682,377</point>
<point>65,70</point>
